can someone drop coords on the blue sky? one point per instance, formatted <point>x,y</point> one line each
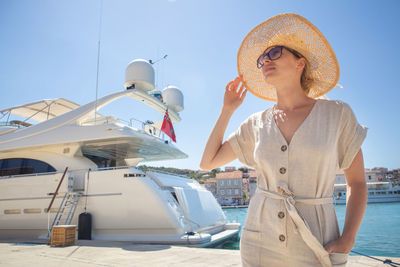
<point>48,49</point>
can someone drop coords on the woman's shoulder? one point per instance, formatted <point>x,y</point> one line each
<point>259,116</point>
<point>256,119</point>
<point>334,105</point>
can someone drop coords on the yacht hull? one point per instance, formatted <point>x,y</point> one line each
<point>125,204</point>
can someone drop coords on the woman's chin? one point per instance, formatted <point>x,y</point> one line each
<point>270,80</point>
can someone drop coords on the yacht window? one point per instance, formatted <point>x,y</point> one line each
<point>14,211</point>
<point>32,210</point>
<point>101,162</point>
<point>174,195</point>
<point>18,166</point>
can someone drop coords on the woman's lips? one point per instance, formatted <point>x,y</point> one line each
<point>268,68</point>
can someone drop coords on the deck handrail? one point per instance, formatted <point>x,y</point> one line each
<point>56,192</point>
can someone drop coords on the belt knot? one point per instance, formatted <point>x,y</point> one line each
<point>284,191</point>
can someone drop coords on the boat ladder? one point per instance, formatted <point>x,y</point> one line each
<point>67,208</point>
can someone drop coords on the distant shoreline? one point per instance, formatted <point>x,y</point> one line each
<point>235,207</point>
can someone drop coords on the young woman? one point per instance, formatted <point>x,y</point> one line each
<point>296,147</point>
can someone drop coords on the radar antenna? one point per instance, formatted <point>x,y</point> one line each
<point>158,60</point>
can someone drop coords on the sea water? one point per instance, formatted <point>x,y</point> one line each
<point>379,233</point>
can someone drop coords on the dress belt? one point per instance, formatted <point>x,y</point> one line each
<point>302,227</point>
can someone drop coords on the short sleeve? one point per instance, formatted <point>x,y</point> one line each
<point>351,137</point>
<point>242,142</point>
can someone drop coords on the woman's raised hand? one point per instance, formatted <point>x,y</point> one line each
<point>234,97</point>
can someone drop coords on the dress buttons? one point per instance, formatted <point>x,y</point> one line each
<point>282,238</point>
<point>281,214</point>
<point>282,170</point>
<point>283,148</point>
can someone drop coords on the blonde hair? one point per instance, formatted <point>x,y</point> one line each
<point>305,79</point>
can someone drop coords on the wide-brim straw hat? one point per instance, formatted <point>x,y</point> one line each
<point>297,33</point>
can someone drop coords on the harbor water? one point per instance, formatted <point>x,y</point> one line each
<point>379,234</point>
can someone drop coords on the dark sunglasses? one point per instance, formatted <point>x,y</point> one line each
<point>273,54</point>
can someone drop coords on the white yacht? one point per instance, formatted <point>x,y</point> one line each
<point>97,155</point>
<point>378,192</point>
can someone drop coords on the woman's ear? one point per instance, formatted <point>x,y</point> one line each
<point>301,63</point>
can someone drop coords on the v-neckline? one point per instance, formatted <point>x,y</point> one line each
<point>298,128</point>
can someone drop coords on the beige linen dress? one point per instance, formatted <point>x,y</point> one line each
<point>291,215</point>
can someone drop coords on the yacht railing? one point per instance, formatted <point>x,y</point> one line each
<point>144,126</point>
<point>171,173</point>
<point>92,170</point>
<point>15,123</point>
<point>28,174</point>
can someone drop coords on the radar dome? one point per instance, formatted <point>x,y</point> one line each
<point>139,75</point>
<point>173,97</point>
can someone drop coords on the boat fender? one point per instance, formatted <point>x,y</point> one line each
<point>85,226</point>
<point>190,233</point>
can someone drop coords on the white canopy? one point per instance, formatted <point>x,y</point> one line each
<point>42,110</point>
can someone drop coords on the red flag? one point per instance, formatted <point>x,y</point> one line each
<point>167,127</point>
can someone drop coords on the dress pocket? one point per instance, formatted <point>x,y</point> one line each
<point>250,247</point>
<point>338,259</point>
<point>250,236</point>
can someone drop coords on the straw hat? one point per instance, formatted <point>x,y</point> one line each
<point>297,33</point>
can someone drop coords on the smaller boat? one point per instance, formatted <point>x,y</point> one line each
<point>378,192</point>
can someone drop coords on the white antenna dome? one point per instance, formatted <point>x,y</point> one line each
<point>139,75</point>
<point>173,97</point>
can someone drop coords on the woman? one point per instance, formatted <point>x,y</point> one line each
<point>295,147</point>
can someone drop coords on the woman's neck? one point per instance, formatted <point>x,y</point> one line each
<point>292,98</point>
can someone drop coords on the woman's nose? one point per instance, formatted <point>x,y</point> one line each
<point>266,59</point>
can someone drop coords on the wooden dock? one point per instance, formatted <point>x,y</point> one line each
<point>102,253</point>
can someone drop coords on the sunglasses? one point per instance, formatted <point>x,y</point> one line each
<point>273,54</point>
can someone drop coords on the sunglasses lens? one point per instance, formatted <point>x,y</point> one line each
<point>275,53</point>
<point>272,54</point>
<point>260,61</point>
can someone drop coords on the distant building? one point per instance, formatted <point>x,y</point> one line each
<point>230,168</point>
<point>245,190</point>
<point>382,169</point>
<point>229,188</point>
<point>374,175</point>
<point>252,183</point>
<point>211,185</point>
<point>393,176</point>
<point>340,178</point>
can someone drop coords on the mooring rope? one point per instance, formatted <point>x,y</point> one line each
<point>386,261</point>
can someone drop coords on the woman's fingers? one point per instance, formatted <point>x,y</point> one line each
<point>228,86</point>
<point>236,83</point>
<point>233,85</point>
<point>241,88</point>
<point>242,97</point>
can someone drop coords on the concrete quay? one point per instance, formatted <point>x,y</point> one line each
<point>107,253</point>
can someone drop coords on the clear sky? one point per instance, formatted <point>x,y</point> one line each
<point>48,49</point>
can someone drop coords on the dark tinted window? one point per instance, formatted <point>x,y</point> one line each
<point>23,166</point>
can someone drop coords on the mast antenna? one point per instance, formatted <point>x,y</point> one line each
<point>158,60</point>
<point>98,60</point>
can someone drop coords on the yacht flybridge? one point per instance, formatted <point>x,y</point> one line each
<point>82,161</point>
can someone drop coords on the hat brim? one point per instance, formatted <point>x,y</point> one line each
<point>295,32</point>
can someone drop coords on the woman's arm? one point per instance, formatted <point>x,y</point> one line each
<point>356,204</point>
<point>215,153</point>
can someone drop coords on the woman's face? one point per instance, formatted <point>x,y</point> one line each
<point>287,68</point>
